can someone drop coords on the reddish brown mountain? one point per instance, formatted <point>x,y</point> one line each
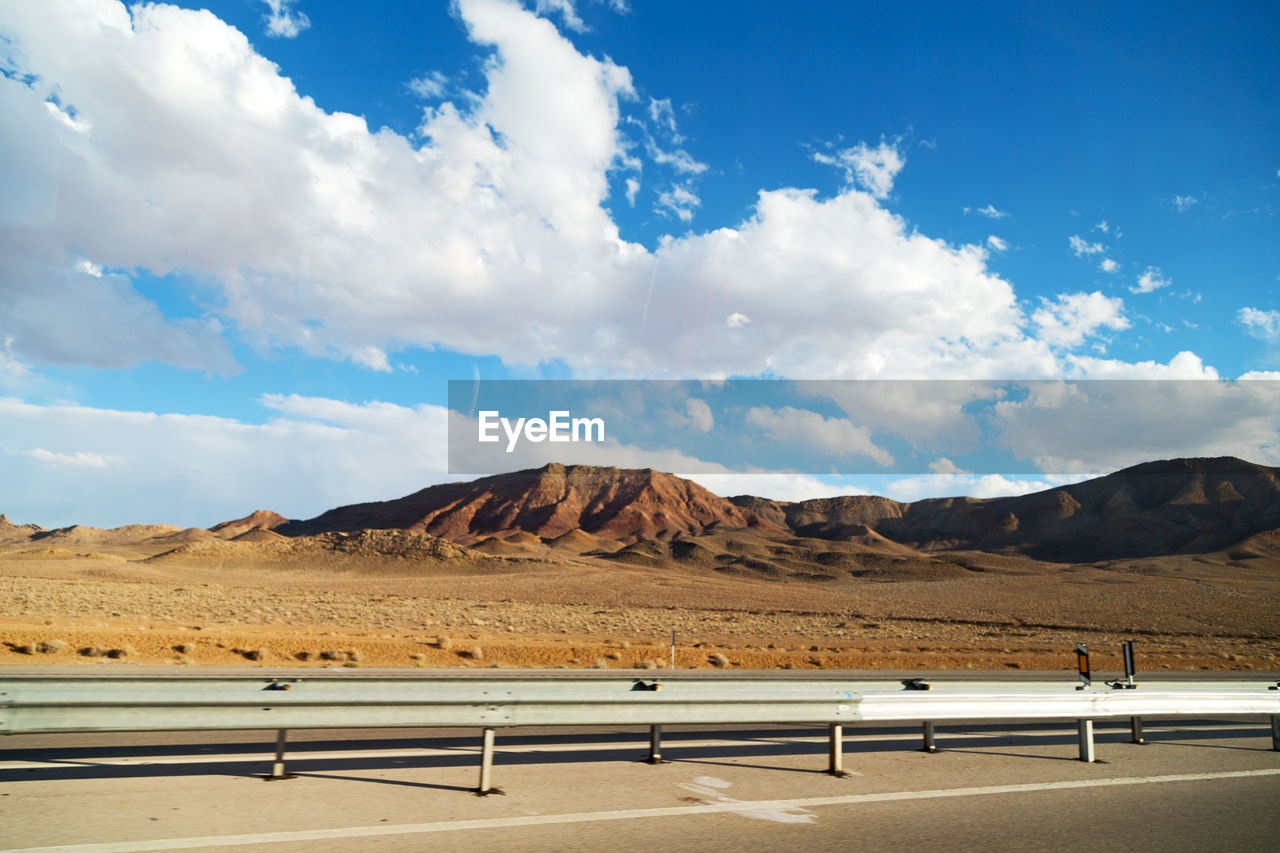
<point>263,519</point>
<point>619,504</point>
<point>1168,507</point>
<point>1159,508</point>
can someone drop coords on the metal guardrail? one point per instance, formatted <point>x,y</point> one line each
<point>34,704</point>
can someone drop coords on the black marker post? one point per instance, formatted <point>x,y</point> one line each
<point>1135,723</point>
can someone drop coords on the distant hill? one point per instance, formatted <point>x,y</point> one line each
<point>1157,508</point>
<point>622,505</point>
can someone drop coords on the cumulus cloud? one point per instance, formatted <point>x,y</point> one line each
<point>1072,317</point>
<point>1108,265</point>
<point>431,85</point>
<point>737,320</point>
<point>678,201</point>
<point>283,21</point>
<point>565,9</point>
<point>872,169</point>
<point>1151,279</point>
<point>108,467</point>
<point>485,232</point>
<point>1082,247</point>
<point>838,436</point>
<point>996,243</point>
<point>1094,427</point>
<point>700,414</point>
<point>1260,324</point>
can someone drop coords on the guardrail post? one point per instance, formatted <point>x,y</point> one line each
<point>929,745</point>
<point>1275,733</point>
<point>277,768</point>
<point>1135,726</point>
<point>1085,730</point>
<point>835,751</point>
<point>486,765</point>
<point>655,745</point>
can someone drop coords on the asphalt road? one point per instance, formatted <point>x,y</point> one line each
<point>1197,785</point>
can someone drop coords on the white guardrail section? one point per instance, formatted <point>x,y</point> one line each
<point>32,704</point>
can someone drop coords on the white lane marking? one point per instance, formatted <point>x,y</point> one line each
<point>629,814</point>
<point>710,789</point>
<point>428,752</point>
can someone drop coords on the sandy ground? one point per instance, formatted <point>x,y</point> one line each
<point>118,609</point>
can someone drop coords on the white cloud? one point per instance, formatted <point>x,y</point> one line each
<point>283,21</point>
<point>1108,265</point>
<point>872,169</point>
<point>107,467</point>
<point>1184,365</point>
<point>678,159</point>
<point>1072,317</point>
<point>567,13</point>
<point>1102,226</point>
<point>1082,247</point>
<point>1151,279</point>
<point>677,200</point>
<point>661,112</point>
<point>75,460</point>
<point>1260,324</point>
<point>790,425</point>
<point>1086,427</point>
<point>700,414</point>
<point>943,465</point>
<point>1183,203</point>
<point>908,489</point>
<point>736,320</point>
<point>990,211</point>
<point>996,243</point>
<point>633,187</point>
<point>430,85</point>
<point>389,242</point>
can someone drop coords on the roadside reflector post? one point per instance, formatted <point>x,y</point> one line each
<point>1129,668</point>
<point>1085,731</point>
<point>1275,733</point>
<point>1082,661</point>
<point>277,768</point>
<point>835,751</point>
<point>655,745</point>
<point>673,648</point>
<point>929,745</point>
<point>486,764</point>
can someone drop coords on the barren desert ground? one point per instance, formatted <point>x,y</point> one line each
<point>116,606</point>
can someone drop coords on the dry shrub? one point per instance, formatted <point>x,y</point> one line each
<point>125,651</point>
<point>93,651</point>
<point>333,654</point>
<point>718,660</point>
<point>256,654</point>
<point>185,648</point>
<point>354,655</point>
<point>305,656</point>
<point>614,655</point>
<point>418,656</point>
<point>649,664</point>
<point>475,653</point>
<point>444,643</point>
<point>50,647</point>
<point>600,663</point>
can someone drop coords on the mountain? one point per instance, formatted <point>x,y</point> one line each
<point>260,520</point>
<point>1153,509</point>
<point>1167,507</point>
<point>621,505</point>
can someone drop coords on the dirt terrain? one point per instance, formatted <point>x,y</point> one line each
<point>598,568</point>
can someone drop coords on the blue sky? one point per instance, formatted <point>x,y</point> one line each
<point>246,243</point>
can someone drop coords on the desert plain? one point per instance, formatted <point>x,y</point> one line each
<point>596,568</point>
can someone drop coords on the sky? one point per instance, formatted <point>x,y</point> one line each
<point>245,245</point>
